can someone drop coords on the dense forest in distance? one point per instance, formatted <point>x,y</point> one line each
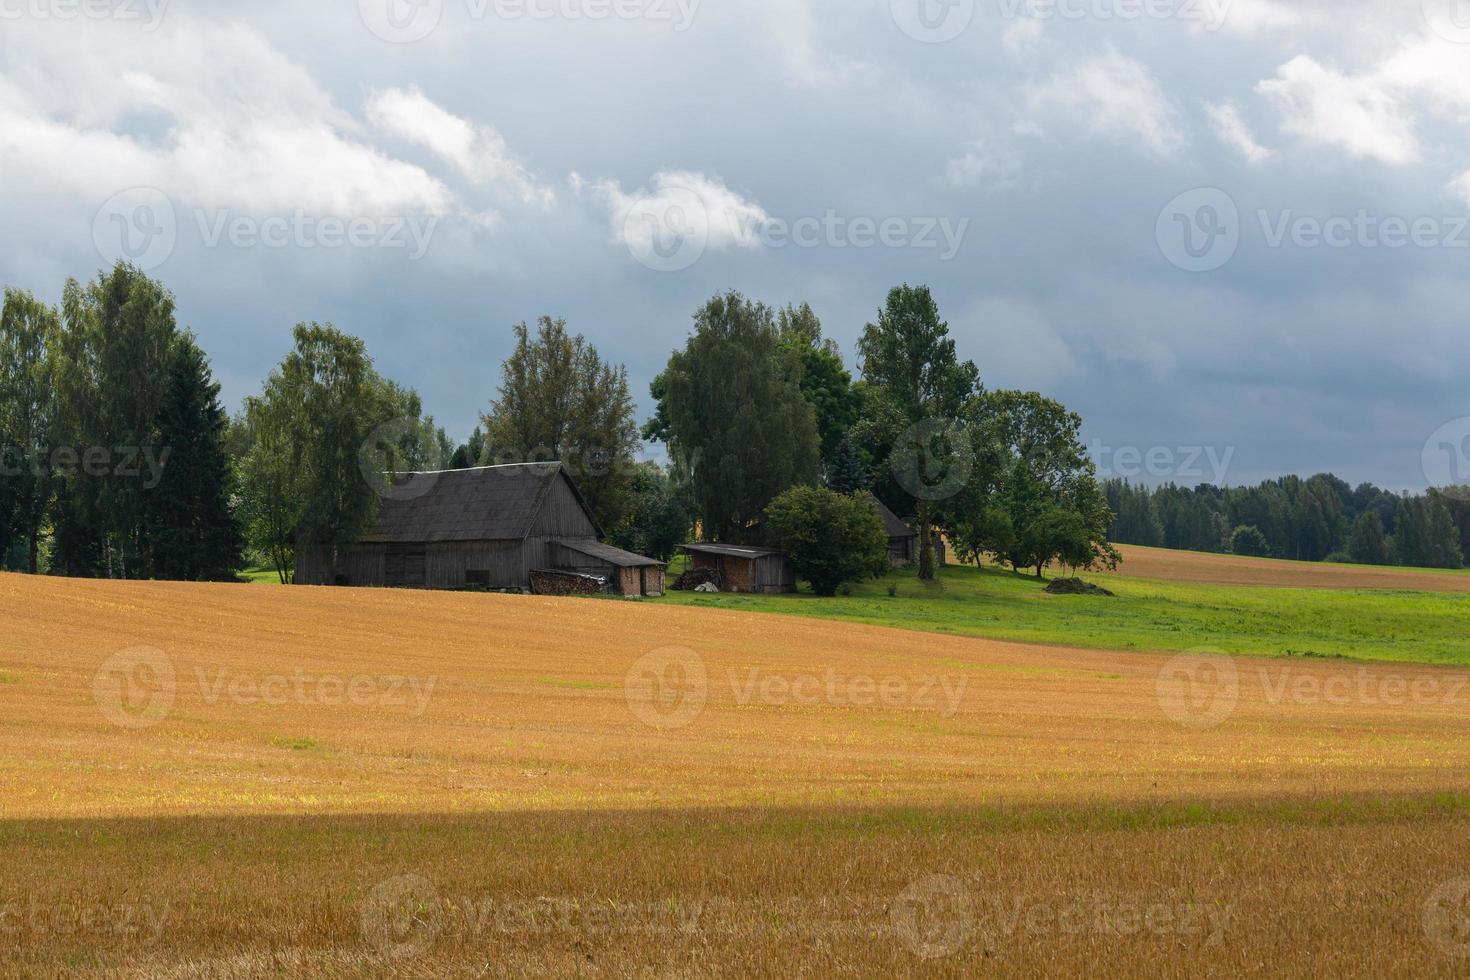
<point>1321,518</point>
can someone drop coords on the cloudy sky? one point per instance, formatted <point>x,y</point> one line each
<point>1231,233</point>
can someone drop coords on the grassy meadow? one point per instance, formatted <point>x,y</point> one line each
<point>1366,624</point>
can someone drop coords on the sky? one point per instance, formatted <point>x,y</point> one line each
<point>1234,235</point>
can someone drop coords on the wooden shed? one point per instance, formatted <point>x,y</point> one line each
<point>485,528</point>
<point>903,540</point>
<point>741,569</point>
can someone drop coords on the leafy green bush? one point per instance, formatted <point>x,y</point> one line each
<point>830,538</point>
<point>1249,541</point>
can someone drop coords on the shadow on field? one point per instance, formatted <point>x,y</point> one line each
<point>1288,885</point>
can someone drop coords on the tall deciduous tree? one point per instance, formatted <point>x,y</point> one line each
<point>909,360</point>
<point>322,432</point>
<point>733,415</point>
<point>559,400</point>
<point>825,380</point>
<point>29,333</point>
<point>111,379</point>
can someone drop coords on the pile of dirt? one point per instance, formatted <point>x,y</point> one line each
<point>1075,586</point>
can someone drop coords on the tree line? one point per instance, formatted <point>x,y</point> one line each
<point>1320,518</point>
<point>119,460</point>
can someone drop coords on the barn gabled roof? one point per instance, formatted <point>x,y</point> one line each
<point>894,527</point>
<point>491,503</point>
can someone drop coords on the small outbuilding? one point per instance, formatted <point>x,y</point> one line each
<point>496,528</point>
<point>903,541</point>
<point>741,569</point>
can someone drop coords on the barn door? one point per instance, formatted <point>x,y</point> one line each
<point>405,566</point>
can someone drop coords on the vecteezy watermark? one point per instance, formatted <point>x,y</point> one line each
<point>1446,458</point>
<point>1203,689</point>
<point>934,917</point>
<point>401,917</point>
<point>932,460</point>
<point>137,688</point>
<point>1212,14</point>
<point>148,13</point>
<point>671,230</point>
<point>929,692</point>
<point>413,233</point>
<point>940,915</point>
<point>407,21</point>
<point>386,456</point>
<point>668,688</point>
<point>1199,231</point>
<point>31,920</point>
<point>1198,689</point>
<point>932,21</point>
<point>1450,19</point>
<point>1447,918</point>
<point>1163,462</point>
<point>144,463</point>
<point>141,226</point>
<point>315,690</point>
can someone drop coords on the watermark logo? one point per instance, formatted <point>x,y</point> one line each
<point>1450,19</point>
<point>382,461</point>
<point>401,917</point>
<point>401,21</point>
<point>135,688</point>
<point>668,688</point>
<point>1199,689</point>
<point>137,225</point>
<point>932,460</point>
<point>1163,462</point>
<point>934,917</point>
<point>410,233</point>
<point>1211,14</point>
<point>1447,918</point>
<point>933,21</point>
<point>148,12</point>
<point>669,231</point>
<point>1199,231</point>
<point>1446,458</point>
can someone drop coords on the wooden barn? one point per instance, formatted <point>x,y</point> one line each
<point>903,541</point>
<point>741,569</point>
<point>488,528</point>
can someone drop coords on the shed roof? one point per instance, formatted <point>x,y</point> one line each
<point>491,503</point>
<point>607,553</point>
<point>894,527</point>
<point>731,551</point>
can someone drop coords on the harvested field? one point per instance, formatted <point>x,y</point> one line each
<point>489,785</point>
<point>1193,566</point>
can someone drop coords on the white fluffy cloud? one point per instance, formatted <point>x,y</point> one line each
<point>1115,97</point>
<point>1233,131</point>
<point>234,124</point>
<point>1356,114</point>
<point>477,152</point>
<point>700,204</point>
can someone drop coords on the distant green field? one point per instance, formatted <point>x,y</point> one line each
<point>260,575</point>
<point>1421,627</point>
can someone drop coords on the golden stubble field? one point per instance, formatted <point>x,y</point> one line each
<point>241,781</point>
<point>1194,566</point>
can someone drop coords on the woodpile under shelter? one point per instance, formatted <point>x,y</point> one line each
<point>495,528</point>
<point>740,569</point>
